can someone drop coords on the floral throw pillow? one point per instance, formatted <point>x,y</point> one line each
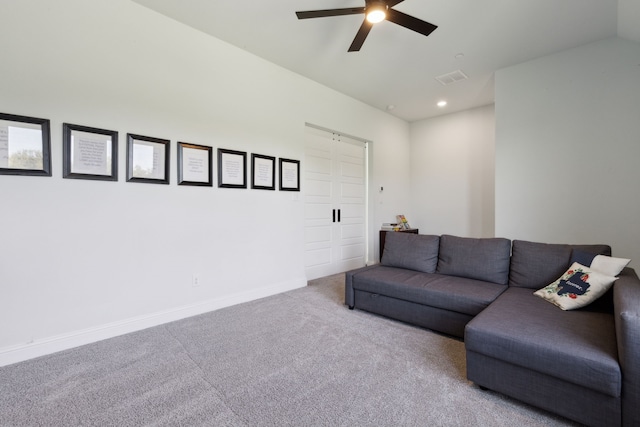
<point>577,287</point>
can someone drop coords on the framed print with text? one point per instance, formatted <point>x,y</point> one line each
<point>289,175</point>
<point>263,172</point>
<point>25,145</point>
<point>89,153</point>
<point>232,169</point>
<point>194,165</point>
<point>147,159</point>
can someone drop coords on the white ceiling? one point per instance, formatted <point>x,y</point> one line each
<point>395,65</point>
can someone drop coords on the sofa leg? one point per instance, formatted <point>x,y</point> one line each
<point>483,388</point>
<point>351,307</point>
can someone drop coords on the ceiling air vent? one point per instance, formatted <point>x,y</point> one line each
<point>452,77</point>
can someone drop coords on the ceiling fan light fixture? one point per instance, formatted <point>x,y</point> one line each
<point>377,12</point>
<point>374,11</point>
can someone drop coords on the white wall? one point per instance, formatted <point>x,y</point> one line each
<point>392,173</point>
<point>83,260</point>
<point>452,173</point>
<point>568,146</point>
<point>628,19</point>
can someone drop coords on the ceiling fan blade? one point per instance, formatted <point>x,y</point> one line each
<point>410,22</point>
<point>362,34</point>
<point>329,12</point>
<point>392,3</point>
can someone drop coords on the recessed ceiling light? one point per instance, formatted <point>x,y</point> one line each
<point>442,104</point>
<point>459,56</point>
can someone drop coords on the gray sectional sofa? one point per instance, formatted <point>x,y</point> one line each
<point>582,364</point>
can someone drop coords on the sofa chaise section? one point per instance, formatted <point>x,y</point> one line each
<point>562,361</point>
<point>574,363</point>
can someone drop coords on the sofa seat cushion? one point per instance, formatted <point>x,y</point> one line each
<point>457,294</point>
<point>524,330</point>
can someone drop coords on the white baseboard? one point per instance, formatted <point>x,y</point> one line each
<point>41,347</point>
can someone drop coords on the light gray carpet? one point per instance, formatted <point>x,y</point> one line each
<point>296,359</point>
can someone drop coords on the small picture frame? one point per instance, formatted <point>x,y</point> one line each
<point>289,175</point>
<point>147,159</point>
<point>263,172</point>
<point>194,165</point>
<point>232,169</point>
<point>25,145</point>
<point>89,153</point>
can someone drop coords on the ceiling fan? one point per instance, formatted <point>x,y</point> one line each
<point>375,11</point>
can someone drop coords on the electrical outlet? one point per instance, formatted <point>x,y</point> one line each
<point>195,280</point>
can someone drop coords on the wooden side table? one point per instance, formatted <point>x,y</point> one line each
<point>383,235</point>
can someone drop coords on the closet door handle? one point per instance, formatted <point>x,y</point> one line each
<point>334,215</point>
<point>338,215</point>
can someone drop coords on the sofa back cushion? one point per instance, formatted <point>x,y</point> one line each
<point>411,251</point>
<point>536,265</point>
<point>481,259</point>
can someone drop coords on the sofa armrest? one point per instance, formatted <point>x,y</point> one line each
<point>349,294</point>
<point>626,300</point>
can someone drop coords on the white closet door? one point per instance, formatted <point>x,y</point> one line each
<point>335,203</point>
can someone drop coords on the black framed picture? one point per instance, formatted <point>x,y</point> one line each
<point>263,172</point>
<point>194,165</point>
<point>89,153</point>
<point>147,159</point>
<point>289,175</point>
<point>232,168</point>
<point>25,145</point>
